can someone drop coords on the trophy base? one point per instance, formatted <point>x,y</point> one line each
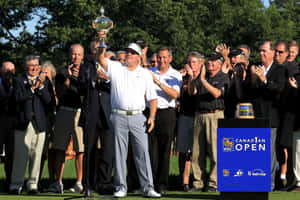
<point>244,111</point>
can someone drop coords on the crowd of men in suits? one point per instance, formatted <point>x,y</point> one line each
<point>113,105</point>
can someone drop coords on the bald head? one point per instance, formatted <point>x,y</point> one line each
<point>76,54</point>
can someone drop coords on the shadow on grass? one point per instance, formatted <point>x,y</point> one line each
<point>213,196</point>
<point>192,196</point>
<point>43,186</point>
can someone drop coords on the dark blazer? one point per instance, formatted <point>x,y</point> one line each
<point>98,107</point>
<point>29,103</point>
<point>266,97</point>
<point>6,93</point>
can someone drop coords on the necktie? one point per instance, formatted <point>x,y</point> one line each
<point>99,69</point>
<point>31,80</point>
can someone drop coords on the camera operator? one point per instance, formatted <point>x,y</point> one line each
<point>7,73</point>
<point>237,76</point>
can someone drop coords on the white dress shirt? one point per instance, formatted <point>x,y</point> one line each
<point>267,70</point>
<point>129,89</point>
<point>173,79</point>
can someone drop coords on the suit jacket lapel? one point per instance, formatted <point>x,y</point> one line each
<point>272,69</point>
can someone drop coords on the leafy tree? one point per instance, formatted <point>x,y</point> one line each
<point>183,25</point>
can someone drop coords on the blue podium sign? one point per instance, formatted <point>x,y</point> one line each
<point>244,159</point>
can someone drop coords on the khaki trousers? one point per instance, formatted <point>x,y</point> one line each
<point>205,145</point>
<point>28,146</point>
<point>296,152</point>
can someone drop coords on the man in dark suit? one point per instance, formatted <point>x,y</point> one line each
<point>267,82</point>
<point>288,116</point>
<point>7,72</point>
<point>32,96</point>
<point>94,119</point>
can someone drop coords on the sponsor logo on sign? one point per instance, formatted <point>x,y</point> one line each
<point>226,172</point>
<point>239,173</point>
<point>256,172</point>
<point>244,144</point>
<point>228,144</point>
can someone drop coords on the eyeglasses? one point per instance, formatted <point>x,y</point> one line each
<point>280,52</point>
<point>153,61</point>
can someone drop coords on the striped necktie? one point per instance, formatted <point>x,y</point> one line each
<point>31,80</point>
<point>98,67</point>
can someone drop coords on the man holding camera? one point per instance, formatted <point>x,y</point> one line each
<point>7,73</point>
<point>32,96</point>
<point>67,117</point>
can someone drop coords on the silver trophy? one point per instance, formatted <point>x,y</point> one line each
<point>102,23</point>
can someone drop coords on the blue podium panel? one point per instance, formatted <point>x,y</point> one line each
<point>244,159</point>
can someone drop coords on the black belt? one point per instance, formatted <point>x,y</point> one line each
<point>162,109</point>
<point>209,111</point>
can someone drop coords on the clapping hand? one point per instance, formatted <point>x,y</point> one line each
<point>75,71</point>
<point>223,49</point>
<point>101,74</point>
<point>259,71</point>
<point>189,70</point>
<point>203,73</point>
<point>293,82</point>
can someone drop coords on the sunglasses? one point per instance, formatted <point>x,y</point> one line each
<point>280,52</point>
<point>131,51</point>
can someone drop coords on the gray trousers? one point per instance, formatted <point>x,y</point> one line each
<point>133,126</point>
<point>273,155</point>
<point>296,156</point>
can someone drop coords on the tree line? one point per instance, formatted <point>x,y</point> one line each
<point>184,25</point>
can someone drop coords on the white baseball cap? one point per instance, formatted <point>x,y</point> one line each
<point>135,47</point>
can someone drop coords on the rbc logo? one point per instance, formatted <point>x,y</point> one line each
<point>228,144</point>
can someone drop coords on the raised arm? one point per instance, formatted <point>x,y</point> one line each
<point>101,51</point>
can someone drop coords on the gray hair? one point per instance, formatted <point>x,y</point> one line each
<point>245,47</point>
<point>200,56</point>
<point>32,57</point>
<point>163,48</point>
<point>49,65</point>
<point>110,52</point>
<point>121,52</point>
<point>71,48</point>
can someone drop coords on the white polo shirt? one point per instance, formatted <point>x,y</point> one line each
<point>173,79</point>
<point>129,89</point>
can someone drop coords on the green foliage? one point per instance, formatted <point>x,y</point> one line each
<point>183,25</point>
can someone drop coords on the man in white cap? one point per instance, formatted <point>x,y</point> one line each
<point>130,86</point>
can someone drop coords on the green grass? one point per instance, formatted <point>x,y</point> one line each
<point>69,179</point>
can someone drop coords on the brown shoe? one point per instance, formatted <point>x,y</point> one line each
<point>296,189</point>
<point>284,182</point>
